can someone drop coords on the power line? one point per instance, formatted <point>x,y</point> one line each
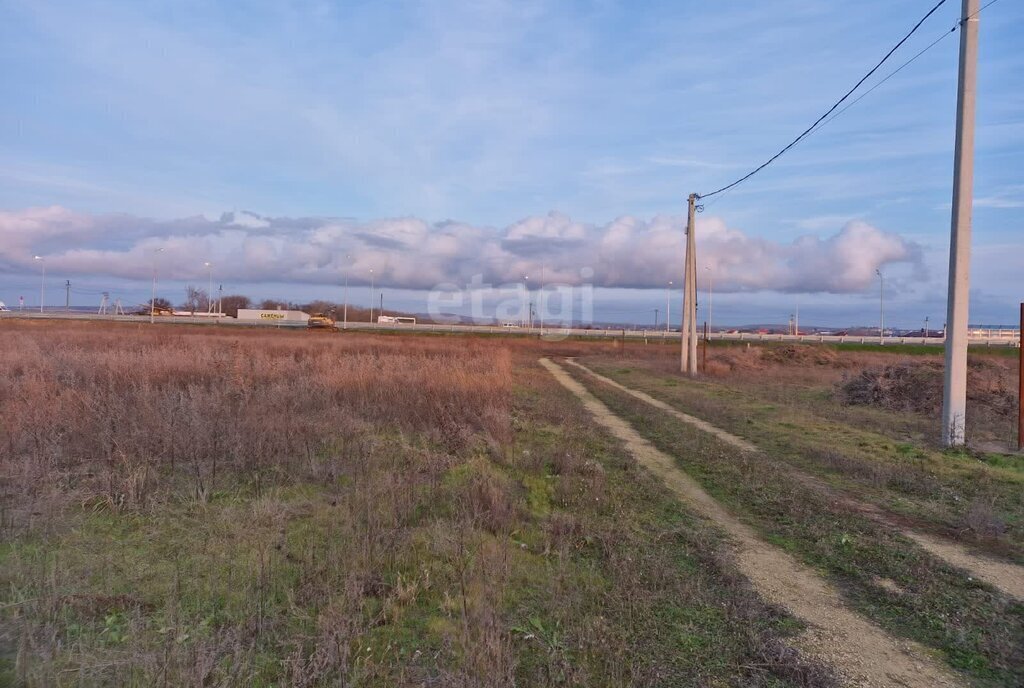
<point>905,64</point>
<point>832,109</point>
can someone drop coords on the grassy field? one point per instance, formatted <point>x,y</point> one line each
<point>192,507</point>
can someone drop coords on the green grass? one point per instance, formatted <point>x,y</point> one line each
<point>940,490</point>
<point>550,561</point>
<point>978,630</point>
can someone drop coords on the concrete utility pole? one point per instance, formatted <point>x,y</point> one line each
<point>1020,382</point>
<point>371,296</point>
<point>954,392</point>
<point>67,296</point>
<point>688,354</point>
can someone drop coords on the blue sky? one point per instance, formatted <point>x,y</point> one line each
<point>335,124</point>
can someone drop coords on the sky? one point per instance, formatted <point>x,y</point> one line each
<point>296,145</point>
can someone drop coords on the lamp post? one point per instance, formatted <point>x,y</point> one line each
<point>668,307</point>
<point>711,288</point>
<point>881,307</point>
<point>152,298</point>
<point>209,288</point>
<point>371,296</point>
<point>42,283</point>
<point>344,322</point>
<point>528,320</point>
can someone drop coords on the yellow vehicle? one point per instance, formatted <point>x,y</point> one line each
<point>320,321</point>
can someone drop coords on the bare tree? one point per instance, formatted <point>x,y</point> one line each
<point>232,303</point>
<point>196,299</point>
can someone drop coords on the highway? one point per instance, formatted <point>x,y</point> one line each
<point>1005,338</point>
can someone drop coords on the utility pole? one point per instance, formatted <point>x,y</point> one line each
<point>1020,382</point>
<point>688,353</point>
<point>926,327</point>
<point>954,391</point>
<point>67,296</point>
<point>371,297</point>
<point>655,318</point>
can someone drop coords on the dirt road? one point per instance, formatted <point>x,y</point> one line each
<point>860,651</point>
<point>1003,575</point>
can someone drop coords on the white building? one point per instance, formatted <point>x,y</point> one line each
<point>257,315</point>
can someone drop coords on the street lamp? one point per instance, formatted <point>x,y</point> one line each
<point>42,283</point>
<point>528,320</point>
<point>344,322</point>
<point>711,288</point>
<point>668,306</point>
<point>152,298</point>
<point>881,307</point>
<point>209,289</point>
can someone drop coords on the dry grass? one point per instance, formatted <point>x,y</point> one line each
<point>188,506</point>
<point>121,418</point>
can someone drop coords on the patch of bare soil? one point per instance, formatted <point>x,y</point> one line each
<point>1003,575</point>
<point>863,653</point>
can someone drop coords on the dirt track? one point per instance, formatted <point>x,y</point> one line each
<point>1003,575</point>
<point>863,653</point>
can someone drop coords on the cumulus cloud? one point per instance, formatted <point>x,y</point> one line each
<point>414,254</point>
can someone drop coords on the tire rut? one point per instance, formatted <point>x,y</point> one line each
<point>1006,577</point>
<point>864,654</point>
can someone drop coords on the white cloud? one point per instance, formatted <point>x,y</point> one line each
<point>414,254</point>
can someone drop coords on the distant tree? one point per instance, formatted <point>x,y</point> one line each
<point>320,307</point>
<point>196,300</point>
<point>232,303</point>
<point>157,303</point>
<point>273,305</point>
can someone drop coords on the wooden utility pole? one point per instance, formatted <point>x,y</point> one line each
<point>688,336</point>
<point>954,392</point>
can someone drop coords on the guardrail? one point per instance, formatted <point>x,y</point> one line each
<point>547,332</point>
